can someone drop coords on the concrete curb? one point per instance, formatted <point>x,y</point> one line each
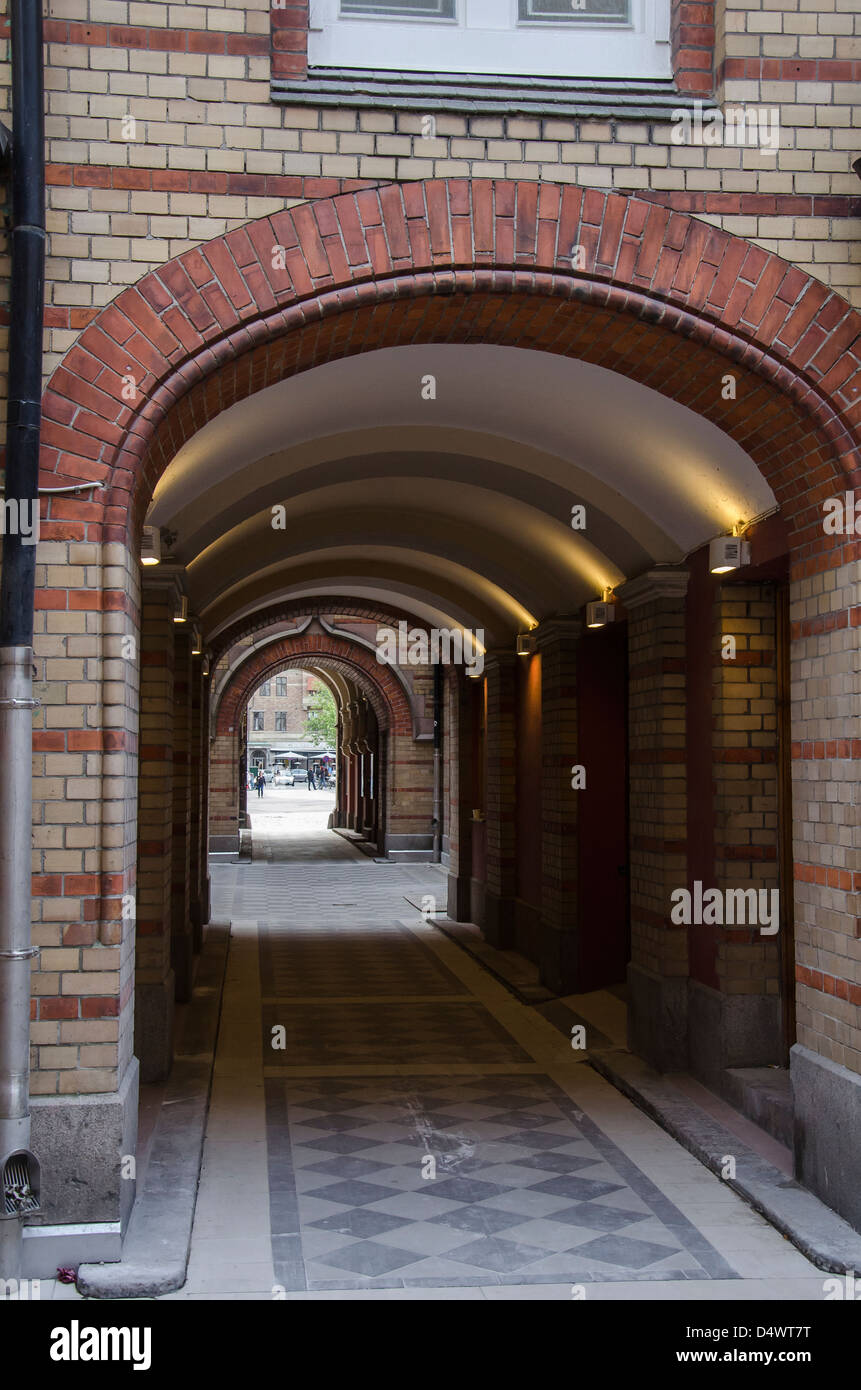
<point>155,1250</point>
<point>466,936</point>
<point>817,1231</point>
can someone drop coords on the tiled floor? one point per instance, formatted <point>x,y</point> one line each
<point>388,1121</point>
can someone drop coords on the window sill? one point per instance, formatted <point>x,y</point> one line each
<point>460,94</point>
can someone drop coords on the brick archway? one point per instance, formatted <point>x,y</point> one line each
<point>288,610</point>
<point>405,766</point>
<point>375,679</point>
<point>663,298</point>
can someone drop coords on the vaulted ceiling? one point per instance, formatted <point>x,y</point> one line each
<point>449,500</point>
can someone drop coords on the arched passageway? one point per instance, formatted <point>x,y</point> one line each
<point>429,420</point>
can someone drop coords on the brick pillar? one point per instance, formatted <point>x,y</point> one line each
<point>84,1074</point>
<point>735,1018</point>
<point>154,980</point>
<point>501,790</point>
<point>224,794</point>
<point>341,773</point>
<point>658,972</point>
<point>182,949</point>
<point>825,1062</point>
<point>206,736</point>
<point>409,792</point>
<point>458,739</point>
<point>557,642</point>
<point>197,771</point>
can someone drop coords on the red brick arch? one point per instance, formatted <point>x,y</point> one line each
<point>288,610</point>
<point>664,299</point>
<point>377,681</point>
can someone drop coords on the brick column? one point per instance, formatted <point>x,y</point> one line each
<point>825,1063</point>
<point>154,978</point>
<point>735,998</point>
<point>501,790</point>
<point>182,948</point>
<point>197,819</point>
<point>84,1074</point>
<point>557,643</point>
<point>458,738</point>
<point>658,972</point>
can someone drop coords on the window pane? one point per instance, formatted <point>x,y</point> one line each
<point>258,721</point>
<point>558,11</point>
<point>280,685</point>
<point>264,689</point>
<point>398,9</point>
<point>280,721</point>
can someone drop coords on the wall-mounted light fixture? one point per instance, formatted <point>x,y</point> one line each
<point>150,546</point>
<point>727,553</point>
<point>204,666</point>
<point>601,611</point>
<point>181,614</point>
<point>525,643</point>
<point>196,643</point>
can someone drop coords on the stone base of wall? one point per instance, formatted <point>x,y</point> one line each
<point>224,844</point>
<point>730,1030</point>
<point>558,963</point>
<point>658,1019</point>
<point>80,1142</point>
<point>498,925</point>
<point>827,1102</point>
<point>527,930</point>
<point>154,1009</point>
<point>477,903</point>
<point>458,901</point>
<point>418,847</point>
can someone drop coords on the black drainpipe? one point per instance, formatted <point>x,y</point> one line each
<point>19,1169</point>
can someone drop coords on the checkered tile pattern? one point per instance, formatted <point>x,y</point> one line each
<point>389,1034</point>
<point>527,1189</point>
<point>324,962</point>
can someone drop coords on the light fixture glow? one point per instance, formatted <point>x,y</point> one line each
<point>181,615</point>
<point>196,643</point>
<point>150,545</point>
<point>727,553</point>
<point>525,643</point>
<point>601,611</point>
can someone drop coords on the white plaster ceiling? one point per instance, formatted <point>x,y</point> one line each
<point>460,504</point>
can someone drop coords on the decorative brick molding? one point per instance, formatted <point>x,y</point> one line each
<point>668,301</point>
<point>275,614</point>
<point>377,680</point>
<point>289,40</point>
<point>692,36</point>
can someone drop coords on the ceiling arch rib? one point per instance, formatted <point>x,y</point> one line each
<point>535,560</point>
<point>670,463</point>
<point>464,599</point>
<point>502,468</point>
<point>460,504</point>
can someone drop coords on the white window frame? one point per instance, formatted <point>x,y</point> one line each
<point>487,37</point>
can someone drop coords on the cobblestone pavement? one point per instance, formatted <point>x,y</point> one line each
<point>387,1121</point>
